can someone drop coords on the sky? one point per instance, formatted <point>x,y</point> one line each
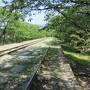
<point>1,3</point>
<point>37,19</point>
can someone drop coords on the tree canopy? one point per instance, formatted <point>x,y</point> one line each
<point>71,25</point>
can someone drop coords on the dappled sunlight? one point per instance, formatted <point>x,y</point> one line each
<point>58,58</point>
<point>78,56</point>
<point>52,74</point>
<point>16,67</point>
<point>81,66</point>
<point>5,58</point>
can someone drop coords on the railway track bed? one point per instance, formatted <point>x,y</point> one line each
<point>16,68</point>
<point>55,73</point>
<point>37,67</point>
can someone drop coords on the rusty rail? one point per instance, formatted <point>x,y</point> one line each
<point>31,77</point>
<point>6,51</point>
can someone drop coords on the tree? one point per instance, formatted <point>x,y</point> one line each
<point>73,22</point>
<point>7,20</point>
<point>73,27</point>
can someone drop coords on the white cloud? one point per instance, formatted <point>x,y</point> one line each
<point>37,18</point>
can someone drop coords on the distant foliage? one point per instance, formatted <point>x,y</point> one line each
<point>21,31</point>
<point>14,29</point>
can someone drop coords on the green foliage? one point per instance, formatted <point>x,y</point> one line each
<point>72,27</point>
<point>77,58</point>
<point>7,22</point>
<point>21,31</point>
<point>13,29</point>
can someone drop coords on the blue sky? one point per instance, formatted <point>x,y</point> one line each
<point>38,18</point>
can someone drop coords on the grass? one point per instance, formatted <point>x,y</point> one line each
<point>73,55</point>
<point>77,58</point>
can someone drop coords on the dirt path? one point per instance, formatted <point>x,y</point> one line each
<point>55,73</point>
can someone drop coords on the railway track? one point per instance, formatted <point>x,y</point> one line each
<point>30,77</point>
<point>53,63</point>
<point>55,73</point>
<point>28,86</point>
<point>18,47</point>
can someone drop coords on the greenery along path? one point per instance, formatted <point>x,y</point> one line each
<point>55,73</point>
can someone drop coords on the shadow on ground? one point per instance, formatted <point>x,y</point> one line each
<point>41,83</point>
<point>81,69</point>
<point>15,72</point>
<point>48,77</point>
